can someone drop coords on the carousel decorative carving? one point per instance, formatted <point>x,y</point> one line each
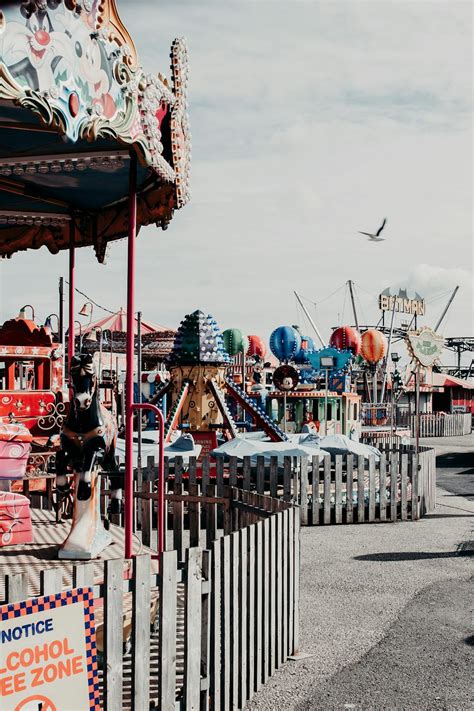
<point>54,417</point>
<point>77,69</point>
<point>73,64</point>
<point>180,135</point>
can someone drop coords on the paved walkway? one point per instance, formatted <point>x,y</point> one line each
<point>384,615</point>
<point>455,463</point>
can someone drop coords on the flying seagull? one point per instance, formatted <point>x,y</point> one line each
<point>375,237</point>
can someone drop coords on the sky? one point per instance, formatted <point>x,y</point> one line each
<point>310,121</point>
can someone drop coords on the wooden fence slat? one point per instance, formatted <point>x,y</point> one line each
<point>226,659</point>
<point>411,480</point>
<point>246,473</point>
<point>251,609</point>
<point>16,587</point>
<point>51,581</point>
<point>338,489</point>
<point>371,488</point>
<point>149,470</point>
<point>232,471</point>
<point>146,512</point>
<point>315,490</point>
<point>178,510</point>
<point>291,575</point>
<point>349,488</point>
<point>259,585</point>
<point>83,575</point>
<point>192,470</point>
<point>418,475</point>
<point>296,582</point>
<point>403,487</point>
<point>194,514</point>
<point>304,490</point>
<point>141,631</point>
<point>216,621</point>
<point>295,480</point>
<point>266,601</point>
<point>227,522</point>
<point>205,479</point>
<point>244,606</point>
<point>393,486</point>
<point>360,488</point>
<point>284,603</point>
<point>220,476</point>
<point>383,487</point>
<point>206,631</point>
<point>286,479</point>
<point>193,619</point>
<point>273,476</point>
<point>113,635</point>
<point>238,514</point>
<point>211,517</point>
<point>327,490</point>
<point>167,637</point>
<point>234,611</point>
<point>272,584</point>
<point>279,590</point>
<point>261,474</point>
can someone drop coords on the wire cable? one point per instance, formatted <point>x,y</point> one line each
<point>103,308</point>
<point>321,301</point>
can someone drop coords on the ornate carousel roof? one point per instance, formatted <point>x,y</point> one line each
<point>75,105</point>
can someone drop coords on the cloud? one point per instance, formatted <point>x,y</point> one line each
<point>310,121</point>
<point>432,279</point>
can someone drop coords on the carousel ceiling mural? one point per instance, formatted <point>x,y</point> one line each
<point>74,101</point>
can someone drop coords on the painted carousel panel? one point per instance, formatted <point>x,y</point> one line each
<point>68,68</point>
<point>15,446</point>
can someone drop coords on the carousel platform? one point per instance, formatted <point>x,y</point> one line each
<point>42,553</point>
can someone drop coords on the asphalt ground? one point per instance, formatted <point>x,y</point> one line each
<point>454,463</point>
<point>386,610</point>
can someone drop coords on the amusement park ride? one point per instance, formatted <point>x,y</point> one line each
<point>91,149</point>
<point>199,385</point>
<point>31,378</point>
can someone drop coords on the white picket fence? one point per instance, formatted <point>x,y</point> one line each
<point>438,424</point>
<point>213,624</point>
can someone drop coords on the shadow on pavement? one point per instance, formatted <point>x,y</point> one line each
<point>456,460</point>
<point>407,555</point>
<point>458,495</point>
<point>470,640</point>
<point>466,515</point>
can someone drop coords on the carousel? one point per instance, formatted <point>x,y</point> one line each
<point>92,148</point>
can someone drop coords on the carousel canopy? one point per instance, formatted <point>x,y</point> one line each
<point>75,107</point>
<point>117,323</point>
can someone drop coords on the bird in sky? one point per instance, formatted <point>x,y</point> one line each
<point>375,237</point>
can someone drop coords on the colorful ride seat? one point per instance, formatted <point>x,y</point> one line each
<point>15,446</point>
<point>15,519</point>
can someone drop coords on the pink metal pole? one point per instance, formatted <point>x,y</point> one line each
<point>132,233</point>
<point>72,266</point>
<point>161,472</point>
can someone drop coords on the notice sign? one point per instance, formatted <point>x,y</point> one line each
<point>48,656</point>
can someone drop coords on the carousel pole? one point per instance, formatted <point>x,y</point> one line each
<point>139,391</point>
<point>130,361</point>
<point>72,268</point>
<point>61,311</point>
